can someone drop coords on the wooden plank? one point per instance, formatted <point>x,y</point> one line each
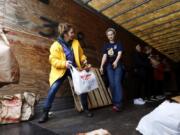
<point>164,43</point>
<point>98,97</point>
<point>125,7</point>
<point>104,99</point>
<point>93,100</point>
<point>158,28</point>
<point>171,30</point>
<point>145,8</point>
<point>104,91</point>
<point>152,15</point>
<point>97,4</point>
<point>168,46</point>
<point>107,6</point>
<point>156,22</point>
<point>121,7</point>
<point>166,31</point>
<point>155,19</point>
<point>163,39</point>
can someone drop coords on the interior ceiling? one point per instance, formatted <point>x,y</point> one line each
<point>157,22</point>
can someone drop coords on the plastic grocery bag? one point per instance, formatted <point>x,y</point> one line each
<point>164,120</point>
<point>83,81</point>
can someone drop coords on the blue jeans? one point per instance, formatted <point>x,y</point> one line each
<point>54,88</point>
<point>115,78</point>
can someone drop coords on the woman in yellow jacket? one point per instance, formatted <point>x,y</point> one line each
<point>64,52</point>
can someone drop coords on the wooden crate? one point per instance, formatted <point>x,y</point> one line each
<point>96,98</point>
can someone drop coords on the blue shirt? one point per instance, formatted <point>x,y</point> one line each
<point>112,49</point>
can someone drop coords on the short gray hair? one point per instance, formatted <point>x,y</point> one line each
<point>111,29</point>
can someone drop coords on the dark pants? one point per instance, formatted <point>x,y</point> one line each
<point>149,84</point>
<point>139,88</point>
<point>115,77</point>
<point>167,81</point>
<point>140,83</point>
<point>158,87</point>
<point>54,88</point>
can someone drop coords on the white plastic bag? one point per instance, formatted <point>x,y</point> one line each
<point>164,120</point>
<point>83,81</point>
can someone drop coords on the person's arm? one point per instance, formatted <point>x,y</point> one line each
<point>103,61</point>
<point>154,63</point>
<point>117,59</point>
<point>83,58</point>
<point>54,57</point>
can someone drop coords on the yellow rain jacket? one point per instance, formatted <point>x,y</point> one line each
<point>57,59</point>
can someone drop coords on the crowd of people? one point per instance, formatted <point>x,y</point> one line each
<point>152,75</point>
<point>149,70</point>
<point>66,51</point>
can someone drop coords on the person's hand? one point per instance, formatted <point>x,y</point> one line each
<point>87,67</point>
<point>85,62</point>
<point>101,70</point>
<point>114,65</point>
<point>68,64</point>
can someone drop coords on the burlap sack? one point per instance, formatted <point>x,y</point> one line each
<point>9,68</point>
<point>18,107</point>
<point>28,106</point>
<point>10,109</point>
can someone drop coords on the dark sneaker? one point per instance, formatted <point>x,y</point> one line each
<point>160,97</point>
<point>153,98</point>
<point>44,117</point>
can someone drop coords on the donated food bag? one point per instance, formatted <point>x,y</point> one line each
<point>17,107</point>
<point>9,68</point>
<point>164,120</point>
<point>83,81</point>
<point>29,100</point>
<point>10,108</point>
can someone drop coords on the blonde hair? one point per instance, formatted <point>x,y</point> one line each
<point>111,29</point>
<point>64,28</point>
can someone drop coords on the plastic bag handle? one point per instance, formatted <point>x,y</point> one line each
<point>71,67</point>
